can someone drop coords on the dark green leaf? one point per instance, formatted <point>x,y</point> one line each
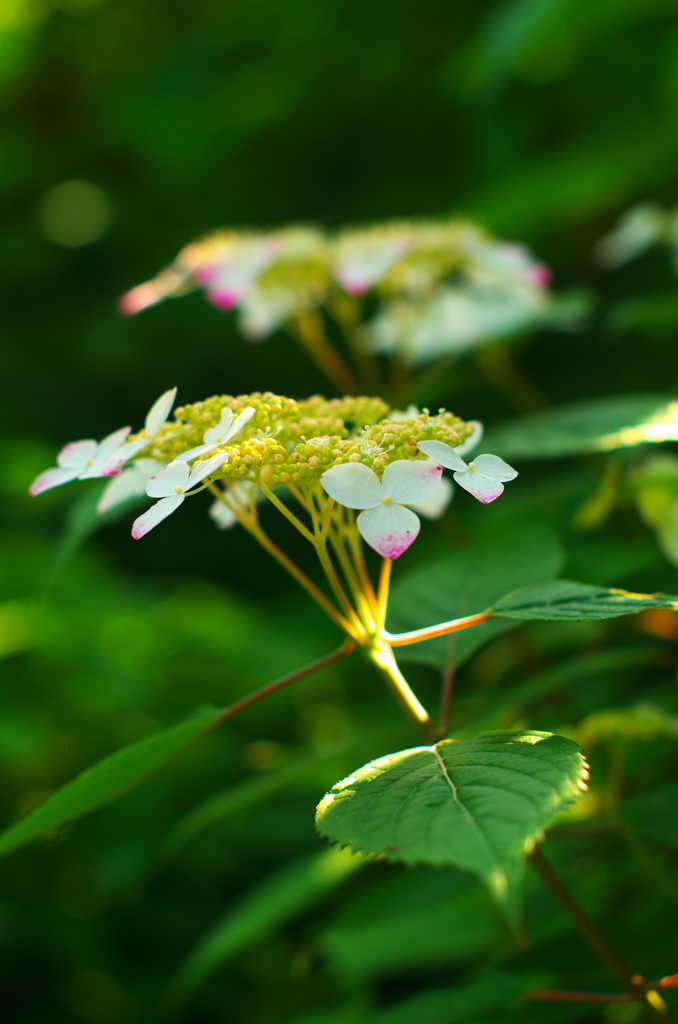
<point>654,814</point>
<point>476,804</point>
<point>277,900</point>
<point>565,599</point>
<point>620,421</point>
<point>106,781</point>
<point>467,582</point>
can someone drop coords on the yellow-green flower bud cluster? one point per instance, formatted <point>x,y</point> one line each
<point>376,446</point>
<point>286,441</point>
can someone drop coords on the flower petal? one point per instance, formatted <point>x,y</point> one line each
<point>493,466</point>
<point>159,412</point>
<point>164,484</point>
<point>436,503</point>
<point>389,529</point>
<point>240,421</point>
<point>52,478</point>
<point>203,469</point>
<point>193,453</point>
<point>131,483</point>
<point>222,516</point>
<point>76,454</point>
<point>473,439</point>
<point>353,485</point>
<point>484,488</point>
<point>103,463</point>
<point>406,482</point>
<point>442,454</point>
<point>118,459</point>
<point>156,513</point>
<point>218,434</point>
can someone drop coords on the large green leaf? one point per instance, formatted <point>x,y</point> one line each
<point>271,904</point>
<point>478,804</point>
<point>449,929</point>
<point>566,599</point>
<point>620,421</point>
<point>654,814</point>
<point>107,780</point>
<point>452,1005</point>
<point>467,582</point>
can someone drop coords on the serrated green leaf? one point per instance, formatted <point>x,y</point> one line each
<point>566,599</point>
<point>654,814</point>
<point>475,804</point>
<point>603,425</point>
<point>275,901</point>
<point>467,582</point>
<point>106,781</point>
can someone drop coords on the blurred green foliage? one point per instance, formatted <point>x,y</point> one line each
<point>542,118</point>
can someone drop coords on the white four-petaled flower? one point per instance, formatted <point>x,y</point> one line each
<point>384,523</point>
<point>81,460</point>
<point>156,417</point>
<point>484,478</point>
<point>226,428</point>
<point>171,487</point>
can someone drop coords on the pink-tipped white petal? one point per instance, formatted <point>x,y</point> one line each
<point>389,529</point>
<point>166,483</point>
<point>76,454</point>
<point>472,440</point>
<point>218,434</point>
<point>484,488</point>
<point>104,463</point>
<point>493,466</point>
<point>436,503</point>
<point>204,469</point>
<point>406,482</point>
<point>118,459</point>
<point>241,419</point>
<point>52,478</point>
<point>156,513</point>
<point>353,485</point>
<point>442,454</point>
<point>159,412</point>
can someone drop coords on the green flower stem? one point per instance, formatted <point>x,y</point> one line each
<point>416,636</point>
<point>350,532</point>
<point>311,333</point>
<point>653,1004</point>
<point>357,630</point>
<point>296,523</point>
<point>250,523</point>
<point>382,656</point>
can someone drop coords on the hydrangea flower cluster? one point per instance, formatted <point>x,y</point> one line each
<point>318,462</point>
<point>443,286</point>
<point>319,452</point>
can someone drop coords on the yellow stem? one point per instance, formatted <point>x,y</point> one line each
<point>416,636</point>
<point>252,527</point>
<point>303,530</point>
<point>382,656</point>
<point>384,584</point>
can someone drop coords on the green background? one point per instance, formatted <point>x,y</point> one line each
<point>543,119</point>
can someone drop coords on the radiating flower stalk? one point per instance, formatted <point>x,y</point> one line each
<point>347,474</point>
<point>412,291</point>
